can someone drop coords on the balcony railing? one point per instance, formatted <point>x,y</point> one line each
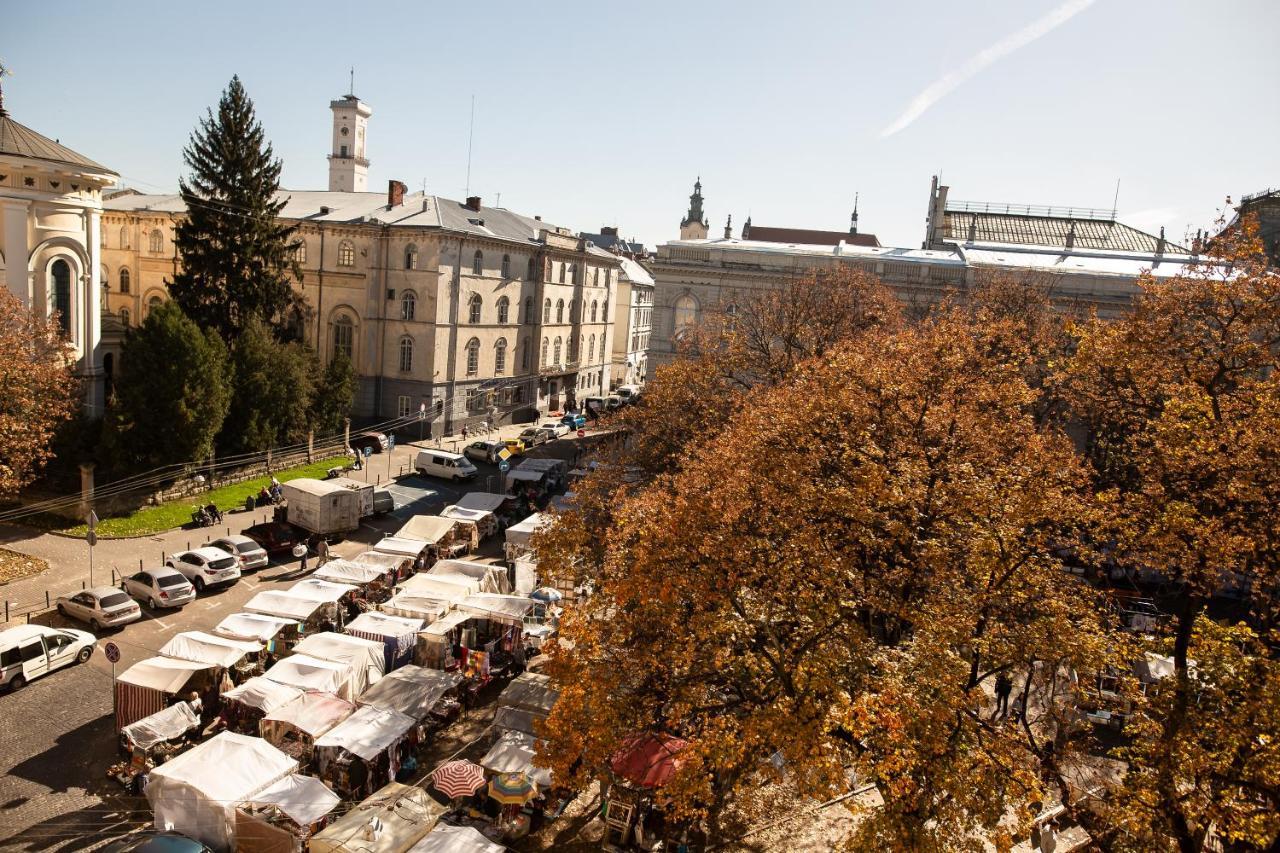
<point>556,369</point>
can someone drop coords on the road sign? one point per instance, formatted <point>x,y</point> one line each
<point>391,441</point>
<point>422,412</point>
<point>92,521</point>
<point>112,651</point>
<point>582,433</point>
<point>504,466</point>
<point>368,451</point>
<point>504,454</point>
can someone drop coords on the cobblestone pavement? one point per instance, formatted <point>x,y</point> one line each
<point>57,734</point>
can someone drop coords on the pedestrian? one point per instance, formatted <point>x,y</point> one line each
<point>322,553</point>
<point>464,432</point>
<point>302,566</point>
<point>1004,687</point>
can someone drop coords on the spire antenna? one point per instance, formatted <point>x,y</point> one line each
<point>352,91</point>
<point>4,70</point>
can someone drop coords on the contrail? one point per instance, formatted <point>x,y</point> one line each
<point>939,88</point>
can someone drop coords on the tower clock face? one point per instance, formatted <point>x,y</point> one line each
<point>345,131</point>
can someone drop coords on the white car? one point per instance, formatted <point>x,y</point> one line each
<point>100,607</point>
<point>250,554</point>
<point>558,428</point>
<point>206,567</point>
<point>162,587</point>
<point>30,651</point>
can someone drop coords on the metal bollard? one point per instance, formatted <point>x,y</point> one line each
<point>6,610</point>
<point>46,599</point>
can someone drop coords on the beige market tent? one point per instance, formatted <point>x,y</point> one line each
<point>411,690</point>
<point>306,718</point>
<point>308,673</point>
<point>412,606</point>
<point>325,592</point>
<point>365,657</point>
<point>284,604</point>
<point>196,792</point>
<point>207,648</point>
<point>145,688</point>
<point>262,694</point>
<point>514,752</point>
<point>252,626</point>
<point>351,572</point>
<point>405,814</point>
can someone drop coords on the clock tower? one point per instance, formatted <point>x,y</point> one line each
<point>348,166</point>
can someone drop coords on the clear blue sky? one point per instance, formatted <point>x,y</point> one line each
<point>601,113</point>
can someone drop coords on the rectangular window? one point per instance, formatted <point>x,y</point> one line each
<point>404,406</point>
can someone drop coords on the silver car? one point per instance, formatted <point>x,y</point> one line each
<point>250,554</point>
<point>206,567</point>
<point>162,587</point>
<point>101,607</point>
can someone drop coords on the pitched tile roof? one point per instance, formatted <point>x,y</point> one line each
<point>18,140</point>
<point>809,236</point>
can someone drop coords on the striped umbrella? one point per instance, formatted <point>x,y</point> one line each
<point>458,779</point>
<point>512,789</point>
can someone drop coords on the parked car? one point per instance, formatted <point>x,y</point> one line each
<point>574,421</point>
<point>383,502</point>
<point>206,567</point>
<point>375,441</point>
<point>557,428</point>
<point>250,554</point>
<point>514,445</point>
<point>533,436</point>
<point>162,587</point>
<point>100,607</point>
<point>442,463</point>
<point>613,402</point>
<point>275,537</point>
<point>30,651</point>
<point>483,451</point>
<point>150,841</point>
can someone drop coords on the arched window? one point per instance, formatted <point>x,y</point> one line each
<point>500,357</point>
<point>560,311</point>
<point>573,310</point>
<point>408,305</point>
<point>556,351</point>
<point>153,303</point>
<point>346,254</point>
<point>524,354</point>
<point>124,317</point>
<point>406,354</point>
<point>504,310</point>
<point>473,357</point>
<point>562,269</point>
<point>477,263</point>
<point>473,308</point>
<point>546,311</point>
<point>573,273</point>
<point>156,242</point>
<point>344,332</point>
<point>124,236</point>
<point>596,278</point>
<point>105,278</point>
<point>124,280</point>
<point>685,314</point>
<point>300,252</point>
<point>411,257</point>
<point>506,266</point>
<point>61,274</point>
<point>604,311</point>
<point>533,270</point>
<point>591,350</point>
<point>594,306</point>
<point>528,309</point>
<point>545,343</point>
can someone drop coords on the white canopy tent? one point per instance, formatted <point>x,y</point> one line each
<point>445,588</point>
<point>366,733</point>
<point>401,546</point>
<point>311,713</point>
<point>263,694</point>
<point>482,501</point>
<point>145,688</point>
<point>172,722</point>
<point>350,572</point>
<point>415,607</point>
<point>411,690</point>
<point>462,513</point>
<point>445,624</point>
<point>526,571</point>
<point>196,792</point>
<point>366,658</point>
<point>519,537</point>
<point>252,626</point>
<point>207,648</point>
<point>305,799</point>
<point>397,634</point>
<point>531,691</point>
<point>507,609</point>
<point>284,604</point>
<point>446,838</point>
<point>385,561</point>
<point>491,577</point>
<point>431,529</point>
<point>307,673</point>
<point>325,592</point>
<point>514,752</point>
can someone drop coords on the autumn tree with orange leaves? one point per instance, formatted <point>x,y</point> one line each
<point>37,391</point>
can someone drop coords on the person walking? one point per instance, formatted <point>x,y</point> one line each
<point>302,566</point>
<point>322,553</point>
<point>1004,687</point>
<point>464,432</point>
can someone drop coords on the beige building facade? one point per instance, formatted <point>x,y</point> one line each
<point>632,323</point>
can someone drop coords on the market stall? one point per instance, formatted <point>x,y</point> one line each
<point>293,727</point>
<point>420,552</point>
<point>325,592</point>
<point>196,793</point>
<point>239,656</point>
<point>244,706</point>
<point>392,820</point>
<point>530,691</point>
<point>525,571</point>
<point>281,818</point>
<point>410,606</point>
<point>519,537</point>
<point>489,576</point>
<point>486,522</point>
<point>307,673</point>
<point>283,604</point>
<point>482,637</point>
<point>448,537</point>
<point>374,582</point>
<point>446,838</point>
<point>397,566</point>
<point>515,752</point>
<point>364,657</point>
<point>438,643</point>
<point>153,740</point>
<point>397,634</point>
<point>644,764</point>
<point>152,685</point>
<point>363,751</point>
<point>423,695</point>
<point>272,631</point>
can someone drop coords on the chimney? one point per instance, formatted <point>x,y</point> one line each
<point>609,230</point>
<point>1160,243</point>
<point>1071,235</point>
<point>395,194</point>
<point>973,229</point>
<point>324,210</point>
<point>473,203</point>
<point>538,217</point>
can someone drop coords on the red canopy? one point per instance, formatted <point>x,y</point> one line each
<point>648,760</point>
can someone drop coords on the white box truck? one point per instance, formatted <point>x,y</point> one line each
<point>364,490</point>
<point>319,506</point>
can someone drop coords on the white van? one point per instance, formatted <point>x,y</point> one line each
<point>30,651</point>
<point>442,463</point>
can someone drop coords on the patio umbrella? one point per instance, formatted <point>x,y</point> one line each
<point>546,593</point>
<point>512,789</point>
<point>458,779</point>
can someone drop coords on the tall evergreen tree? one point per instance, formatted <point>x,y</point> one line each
<point>272,388</point>
<point>236,255</point>
<point>335,392</point>
<point>171,393</point>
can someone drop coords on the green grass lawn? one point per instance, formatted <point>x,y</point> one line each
<point>155,519</point>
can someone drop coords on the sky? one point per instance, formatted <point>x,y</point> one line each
<point>604,113</point>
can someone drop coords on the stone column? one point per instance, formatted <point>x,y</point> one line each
<point>86,489</point>
<point>91,317</point>
<point>16,250</point>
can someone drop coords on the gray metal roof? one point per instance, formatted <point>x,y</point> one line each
<point>18,140</point>
<point>970,226</point>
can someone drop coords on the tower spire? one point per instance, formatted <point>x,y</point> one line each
<point>695,226</point>
<point>853,221</point>
<point>351,90</point>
